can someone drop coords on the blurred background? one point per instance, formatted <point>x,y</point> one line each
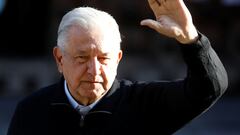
<point>28,33</point>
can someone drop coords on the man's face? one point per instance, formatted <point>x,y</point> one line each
<point>89,63</point>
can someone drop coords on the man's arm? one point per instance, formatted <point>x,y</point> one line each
<point>174,20</point>
<point>206,78</point>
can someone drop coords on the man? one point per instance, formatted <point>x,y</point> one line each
<point>89,100</point>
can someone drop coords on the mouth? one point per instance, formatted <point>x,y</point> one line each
<point>91,85</point>
<point>93,82</point>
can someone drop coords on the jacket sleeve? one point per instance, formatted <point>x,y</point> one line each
<point>206,77</point>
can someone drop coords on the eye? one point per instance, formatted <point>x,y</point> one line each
<point>103,59</point>
<point>81,59</point>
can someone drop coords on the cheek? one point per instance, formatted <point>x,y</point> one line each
<point>73,74</point>
<point>109,74</point>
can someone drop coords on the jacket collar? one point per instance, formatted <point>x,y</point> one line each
<point>59,98</point>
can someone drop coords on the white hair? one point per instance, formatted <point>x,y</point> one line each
<point>88,17</point>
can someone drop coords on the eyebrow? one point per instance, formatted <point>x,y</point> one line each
<point>82,52</point>
<point>107,53</point>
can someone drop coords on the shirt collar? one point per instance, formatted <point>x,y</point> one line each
<point>73,102</point>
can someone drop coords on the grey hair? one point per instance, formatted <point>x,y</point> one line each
<point>88,17</point>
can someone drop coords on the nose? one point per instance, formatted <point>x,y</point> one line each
<point>94,67</point>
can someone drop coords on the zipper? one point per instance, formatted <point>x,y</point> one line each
<point>81,124</point>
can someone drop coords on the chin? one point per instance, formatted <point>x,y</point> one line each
<point>94,93</point>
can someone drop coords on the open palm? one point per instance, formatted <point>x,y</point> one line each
<point>173,19</point>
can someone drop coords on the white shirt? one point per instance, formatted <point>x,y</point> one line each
<point>83,110</point>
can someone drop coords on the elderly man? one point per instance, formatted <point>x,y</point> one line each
<point>89,100</point>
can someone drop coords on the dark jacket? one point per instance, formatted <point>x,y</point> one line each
<point>139,108</point>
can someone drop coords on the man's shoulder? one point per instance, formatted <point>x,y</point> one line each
<point>42,95</point>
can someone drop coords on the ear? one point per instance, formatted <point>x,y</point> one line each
<point>57,53</point>
<point>120,53</point>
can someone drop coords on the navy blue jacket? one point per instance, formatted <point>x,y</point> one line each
<point>139,108</point>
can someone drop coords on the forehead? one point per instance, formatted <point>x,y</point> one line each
<point>82,39</point>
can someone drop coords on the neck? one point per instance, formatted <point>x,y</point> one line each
<point>85,101</point>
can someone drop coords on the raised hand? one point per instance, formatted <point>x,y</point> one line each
<point>173,19</point>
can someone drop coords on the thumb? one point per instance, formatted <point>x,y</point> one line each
<point>160,28</point>
<point>152,24</point>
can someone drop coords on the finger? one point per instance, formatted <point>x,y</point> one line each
<point>157,26</point>
<point>159,4</point>
<point>154,4</point>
